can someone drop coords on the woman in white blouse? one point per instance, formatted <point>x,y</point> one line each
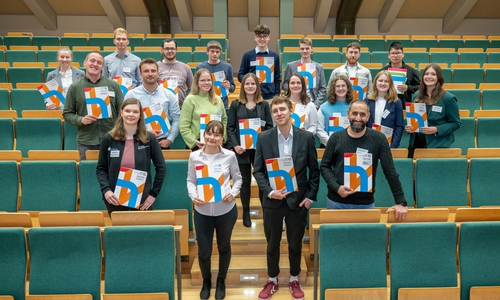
<point>215,208</point>
<point>65,74</point>
<point>304,114</point>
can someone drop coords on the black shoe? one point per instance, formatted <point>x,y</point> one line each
<point>247,222</point>
<point>205,290</point>
<point>220,289</point>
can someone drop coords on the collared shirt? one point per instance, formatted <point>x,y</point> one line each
<point>66,80</point>
<point>231,170</point>
<point>168,102</point>
<point>361,72</point>
<point>285,145</point>
<point>257,50</point>
<point>127,67</point>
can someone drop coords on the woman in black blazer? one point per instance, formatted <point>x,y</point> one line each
<point>65,74</point>
<point>250,105</point>
<point>385,107</point>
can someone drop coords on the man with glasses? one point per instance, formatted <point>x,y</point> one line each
<point>352,68</point>
<point>412,83</point>
<point>316,93</point>
<point>171,69</point>
<point>264,63</point>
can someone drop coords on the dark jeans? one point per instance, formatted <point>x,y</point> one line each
<point>82,148</point>
<point>223,226</point>
<point>295,221</point>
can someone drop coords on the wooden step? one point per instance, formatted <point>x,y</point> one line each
<point>253,265</point>
<point>255,208</point>
<point>251,241</point>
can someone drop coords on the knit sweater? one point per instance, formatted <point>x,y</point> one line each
<point>332,165</point>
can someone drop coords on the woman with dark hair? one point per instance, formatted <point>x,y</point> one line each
<point>340,94</point>
<point>129,145</point>
<point>201,100</point>
<point>385,107</point>
<point>304,114</point>
<point>250,106</point>
<point>442,113</point>
<point>219,215</point>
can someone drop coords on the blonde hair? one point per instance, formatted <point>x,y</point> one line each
<point>120,30</point>
<point>195,89</point>
<point>64,49</point>
<point>392,94</point>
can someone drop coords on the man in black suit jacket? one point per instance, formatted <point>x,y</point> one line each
<point>282,141</point>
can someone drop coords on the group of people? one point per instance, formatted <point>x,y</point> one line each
<point>210,127</point>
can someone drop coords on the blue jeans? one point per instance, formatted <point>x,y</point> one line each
<point>337,205</point>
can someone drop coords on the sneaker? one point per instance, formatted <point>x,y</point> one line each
<point>296,290</point>
<point>269,289</point>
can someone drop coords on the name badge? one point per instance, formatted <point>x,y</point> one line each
<point>361,151</point>
<point>437,109</point>
<point>385,114</point>
<point>111,94</point>
<point>114,153</point>
<point>253,63</point>
<point>262,123</point>
<point>126,70</point>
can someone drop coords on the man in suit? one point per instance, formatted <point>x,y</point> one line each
<point>285,140</point>
<point>317,93</point>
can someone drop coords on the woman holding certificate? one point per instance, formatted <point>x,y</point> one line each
<point>340,94</point>
<point>441,109</point>
<point>386,110</point>
<point>125,157</point>
<point>246,118</point>
<point>304,110</point>
<point>209,172</point>
<point>201,106</point>
<point>64,75</point>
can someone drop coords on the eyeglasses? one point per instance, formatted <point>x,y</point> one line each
<point>396,53</point>
<point>169,49</point>
<point>262,37</point>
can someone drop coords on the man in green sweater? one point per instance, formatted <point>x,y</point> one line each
<point>92,89</point>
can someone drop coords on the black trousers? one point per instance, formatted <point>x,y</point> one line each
<point>223,226</point>
<point>295,221</point>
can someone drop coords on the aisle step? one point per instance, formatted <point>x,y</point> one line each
<point>253,266</point>
<point>255,208</point>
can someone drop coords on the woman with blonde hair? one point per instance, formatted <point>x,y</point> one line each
<point>250,105</point>
<point>202,100</point>
<point>385,107</point>
<point>64,75</point>
<point>129,145</point>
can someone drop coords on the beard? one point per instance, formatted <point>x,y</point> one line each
<point>357,127</point>
<point>352,61</point>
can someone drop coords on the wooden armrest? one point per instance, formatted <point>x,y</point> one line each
<point>449,293</point>
<point>60,297</point>
<point>484,292</point>
<point>145,296</point>
<point>356,294</point>
<point>153,217</point>
<point>63,218</point>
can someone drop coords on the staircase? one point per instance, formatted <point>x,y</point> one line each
<point>248,245</point>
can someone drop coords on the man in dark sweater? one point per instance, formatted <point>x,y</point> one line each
<point>360,140</point>
<point>264,63</point>
<point>412,83</point>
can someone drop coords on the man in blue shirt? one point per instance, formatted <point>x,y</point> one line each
<point>121,62</point>
<point>270,85</point>
<point>151,93</point>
